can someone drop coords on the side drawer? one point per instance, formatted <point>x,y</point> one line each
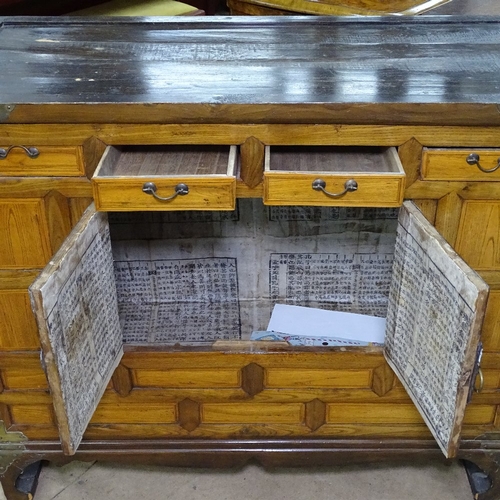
<point>166,178</point>
<point>461,164</point>
<point>34,161</point>
<point>340,176</point>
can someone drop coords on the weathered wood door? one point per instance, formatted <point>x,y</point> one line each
<point>75,305</point>
<point>436,308</point>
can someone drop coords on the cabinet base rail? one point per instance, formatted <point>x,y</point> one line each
<point>268,453</point>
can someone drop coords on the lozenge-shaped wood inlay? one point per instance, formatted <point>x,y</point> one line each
<point>315,414</point>
<point>252,379</point>
<point>189,414</point>
<point>382,379</point>
<point>252,162</point>
<point>122,380</point>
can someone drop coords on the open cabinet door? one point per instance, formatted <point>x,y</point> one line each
<point>75,304</point>
<point>436,308</point>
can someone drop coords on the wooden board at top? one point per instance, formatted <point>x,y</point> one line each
<point>75,304</point>
<point>435,312</point>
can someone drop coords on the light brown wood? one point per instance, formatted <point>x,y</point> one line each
<point>410,154</point>
<point>334,7</point>
<point>252,162</point>
<point>315,415</point>
<point>127,413</point>
<point>25,238</point>
<point>478,235</point>
<point>122,380</point>
<point>295,189</point>
<point>450,164</point>
<point>428,209</point>
<point>447,221</point>
<point>188,414</point>
<point>91,152</point>
<point>76,208</point>
<point>57,213</point>
<point>211,179</point>
<point>350,133</point>
<point>52,161</point>
<point>253,379</point>
<point>253,413</point>
<point>187,378</point>
<point>18,329</point>
<point>382,380</point>
<point>321,377</point>
<point>491,326</point>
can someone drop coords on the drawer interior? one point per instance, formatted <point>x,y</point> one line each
<point>332,159</point>
<point>193,278</point>
<point>192,160</point>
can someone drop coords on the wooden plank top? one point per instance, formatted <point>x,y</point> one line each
<point>436,69</point>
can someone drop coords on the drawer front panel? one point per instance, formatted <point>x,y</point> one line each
<point>340,176</point>
<point>51,161</point>
<point>124,195</point>
<point>166,178</point>
<point>296,189</point>
<point>455,164</point>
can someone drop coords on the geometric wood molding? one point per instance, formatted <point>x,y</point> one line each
<point>252,379</point>
<point>315,414</point>
<point>122,380</point>
<point>382,380</point>
<point>92,150</point>
<point>252,162</point>
<point>189,415</point>
<point>447,221</point>
<point>410,154</point>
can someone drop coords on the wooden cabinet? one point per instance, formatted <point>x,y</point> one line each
<point>227,400</point>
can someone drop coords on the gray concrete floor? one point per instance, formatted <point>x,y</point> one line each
<point>102,481</point>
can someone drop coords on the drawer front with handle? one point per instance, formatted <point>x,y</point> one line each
<point>322,176</point>
<point>35,161</point>
<point>166,178</point>
<point>461,164</point>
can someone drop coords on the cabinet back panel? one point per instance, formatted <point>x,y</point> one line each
<point>200,277</point>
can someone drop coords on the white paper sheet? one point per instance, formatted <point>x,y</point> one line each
<point>304,321</point>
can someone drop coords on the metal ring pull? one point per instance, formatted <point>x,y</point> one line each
<point>473,159</point>
<point>481,381</point>
<point>32,152</point>
<point>179,190</point>
<point>349,186</point>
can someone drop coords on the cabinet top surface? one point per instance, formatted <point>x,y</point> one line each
<point>261,63</point>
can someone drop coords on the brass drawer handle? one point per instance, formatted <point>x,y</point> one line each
<point>179,190</point>
<point>31,151</point>
<point>349,186</point>
<point>481,381</point>
<point>473,159</point>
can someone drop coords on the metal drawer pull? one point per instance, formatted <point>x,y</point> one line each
<point>31,151</point>
<point>481,381</point>
<point>349,186</point>
<point>150,188</point>
<point>473,159</point>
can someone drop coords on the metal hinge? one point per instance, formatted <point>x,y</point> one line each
<point>11,447</point>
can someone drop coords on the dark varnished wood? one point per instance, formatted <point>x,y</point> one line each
<point>377,70</point>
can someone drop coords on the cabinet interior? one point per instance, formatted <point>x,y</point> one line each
<point>193,278</point>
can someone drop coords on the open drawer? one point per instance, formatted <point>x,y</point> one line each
<point>166,178</point>
<point>217,274</point>
<point>328,175</point>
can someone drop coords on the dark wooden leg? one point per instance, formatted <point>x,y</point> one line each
<point>10,476</point>
<point>489,463</point>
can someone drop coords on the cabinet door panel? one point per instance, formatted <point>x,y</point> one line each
<point>75,304</point>
<point>24,241</point>
<point>478,240</point>
<point>436,307</point>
